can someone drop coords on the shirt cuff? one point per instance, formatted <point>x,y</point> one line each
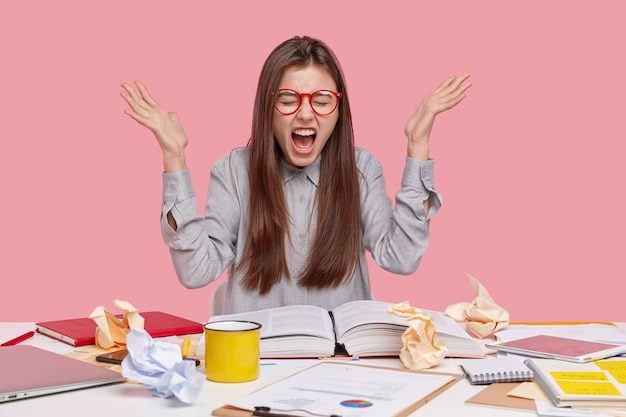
<point>419,174</point>
<point>177,186</point>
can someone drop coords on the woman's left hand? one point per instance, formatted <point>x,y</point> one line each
<point>447,95</point>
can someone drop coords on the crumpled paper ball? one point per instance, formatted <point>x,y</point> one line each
<point>160,367</point>
<point>111,331</point>
<point>482,316</point>
<point>419,345</point>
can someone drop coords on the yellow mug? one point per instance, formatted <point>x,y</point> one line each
<point>232,350</point>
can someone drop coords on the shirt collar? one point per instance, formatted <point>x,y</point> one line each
<point>312,171</point>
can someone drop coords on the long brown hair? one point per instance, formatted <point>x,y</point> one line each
<point>337,243</point>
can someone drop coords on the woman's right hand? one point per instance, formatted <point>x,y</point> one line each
<point>164,125</point>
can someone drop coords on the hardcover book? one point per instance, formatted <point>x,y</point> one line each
<point>82,331</point>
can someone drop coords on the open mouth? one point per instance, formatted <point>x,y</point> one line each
<point>303,140</point>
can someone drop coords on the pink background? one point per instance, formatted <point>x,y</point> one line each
<point>530,164</point>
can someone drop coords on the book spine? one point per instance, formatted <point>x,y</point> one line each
<point>340,348</point>
<point>175,332</point>
<point>543,382</point>
<point>57,336</point>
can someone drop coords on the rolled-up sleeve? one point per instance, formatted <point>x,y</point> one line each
<point>178,199</point>
<point>418,184</point>
<point>201,247</point>
<point>398,237</point>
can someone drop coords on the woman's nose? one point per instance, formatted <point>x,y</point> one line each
<point>305,111</point>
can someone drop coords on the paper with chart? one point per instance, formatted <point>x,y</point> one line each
<point>346,390</point>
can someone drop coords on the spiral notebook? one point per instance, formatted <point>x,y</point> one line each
<point>504,369</point>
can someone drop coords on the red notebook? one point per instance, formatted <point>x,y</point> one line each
<point>82,331</point>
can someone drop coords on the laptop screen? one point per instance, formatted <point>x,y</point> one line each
<point>28,371</point>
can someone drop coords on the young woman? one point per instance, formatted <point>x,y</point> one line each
<point>292,214</point>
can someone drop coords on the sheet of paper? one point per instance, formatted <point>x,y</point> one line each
<point>530,390</point>
<point>547,409</point>
<point>282,322</point>
<point>588,388</point>
<point>617,368</point>
<point>299,363</point>
<point>346,390</point>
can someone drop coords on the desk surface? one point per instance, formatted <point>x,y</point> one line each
<point>131,399</point>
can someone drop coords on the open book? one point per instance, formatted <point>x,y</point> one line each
<point>357,328</point>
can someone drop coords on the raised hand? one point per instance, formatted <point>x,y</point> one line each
<point>418,128</point>
<point>165,126</point>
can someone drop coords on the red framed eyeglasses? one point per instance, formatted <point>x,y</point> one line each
<point>323,102</point>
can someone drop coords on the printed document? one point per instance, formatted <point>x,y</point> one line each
<point>346,390</point>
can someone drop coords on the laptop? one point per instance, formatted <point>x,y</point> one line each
<point>28,371</point>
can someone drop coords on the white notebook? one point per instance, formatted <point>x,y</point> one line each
<point>503,369</point>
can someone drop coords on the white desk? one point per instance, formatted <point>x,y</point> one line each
<point>131,399</point>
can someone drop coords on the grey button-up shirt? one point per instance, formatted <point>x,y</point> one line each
<point>203,247</point>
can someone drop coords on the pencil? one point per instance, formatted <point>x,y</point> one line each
<point>19,339</point>
<point>185,347</point>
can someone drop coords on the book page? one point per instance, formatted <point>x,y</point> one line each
<point>366,327</point>
<point>446,325</point>
<point>288,321</point>
<point>363,312</point>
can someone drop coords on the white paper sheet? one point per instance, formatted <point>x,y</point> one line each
<point>344,389</point>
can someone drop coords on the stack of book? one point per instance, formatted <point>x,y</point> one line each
<point>600,384</point>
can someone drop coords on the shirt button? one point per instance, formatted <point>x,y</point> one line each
<point>300,235</point>
<point>302,199</point>
<point>173,187</point>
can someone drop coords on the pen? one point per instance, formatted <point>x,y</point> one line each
<point>19,339</point>
<point>266,412</point>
